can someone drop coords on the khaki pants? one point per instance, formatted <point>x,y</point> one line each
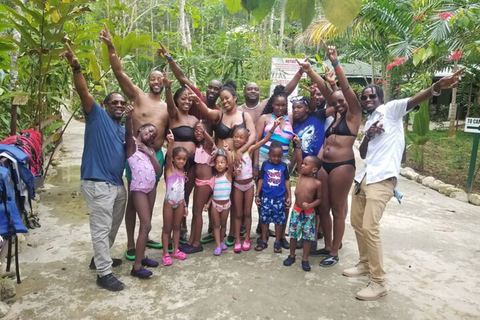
<point>367,210</point>
<point>106,203</point>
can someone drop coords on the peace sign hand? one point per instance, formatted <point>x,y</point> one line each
<point>305,65</point>
<point>105,36</point>
<point>165,82</point>
<point>70,56</point>
<point>162,52</point>
<point>170,137</point>
<point>329,75</point>
<point>192,96</point>
<point>331,52</point>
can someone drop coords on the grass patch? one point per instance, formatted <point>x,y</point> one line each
<point>447,159</point>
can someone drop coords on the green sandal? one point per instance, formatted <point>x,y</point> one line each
<point>130,254</point>
<point>154,244</point>
<point>207,239</point>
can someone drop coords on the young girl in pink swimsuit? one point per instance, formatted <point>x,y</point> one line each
<point>243,184</point>
<point>144,165</point>
<point>204,183</point>
<point>174,207</point>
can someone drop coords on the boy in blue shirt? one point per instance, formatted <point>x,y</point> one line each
<point>273,195</point>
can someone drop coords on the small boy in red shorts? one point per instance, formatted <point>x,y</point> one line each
<point>308,194</point>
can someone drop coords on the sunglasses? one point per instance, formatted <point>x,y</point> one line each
<point>122,102</point>
<point>371,96</point>
<point>338,102</point>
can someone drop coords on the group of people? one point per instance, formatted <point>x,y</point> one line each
<point>230,156</point>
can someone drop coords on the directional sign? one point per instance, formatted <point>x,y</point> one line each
<point>472,125</point>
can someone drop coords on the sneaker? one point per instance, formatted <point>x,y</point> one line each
<point>217,251</point>
<point>246,245</point>
<point>149,263</point>
<point>329,261</point>
<point>177,254</point>
<point>230,241</point>
<point>167,260</point>
<point>192,249</point>
<point>110,282</point>
<point>130,254</point>
<point>154,244</point>
<point>289,261</point>
<point>115,263</point>
<point>141,273</point>
<point>224,246</point>
<point>372,291</point>
<point>359,270</point>
<point>238,247</point>
<point>306,266</point>
<point>285,243</point>
<point>207,239</point>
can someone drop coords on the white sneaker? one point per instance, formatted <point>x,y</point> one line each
<point>372,291</point>
<point>359,270</point>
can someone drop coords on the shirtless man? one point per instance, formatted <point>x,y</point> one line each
<point>149,108</point>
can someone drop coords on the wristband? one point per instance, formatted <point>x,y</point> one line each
<point>337,69</point>
<point>170,61</point>
<point>257,196</point>
<point>299,73</point>
<point>77,69</point>
<point>435,93</point>
<point>333,83</point>
<point>169,58</point>
<point>113,54</point>
<point>298,147</point>
<point>256,167</point>
<point>335,63</point>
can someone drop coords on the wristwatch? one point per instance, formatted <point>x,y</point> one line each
<point>434,93</point>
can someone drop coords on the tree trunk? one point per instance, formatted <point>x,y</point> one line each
<point>452,112</point>
<point>373,70</point>
<point>183,33</point>
<point>282,24</point>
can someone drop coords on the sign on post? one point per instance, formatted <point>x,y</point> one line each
<point>283,70</point>
<point>472,125</point>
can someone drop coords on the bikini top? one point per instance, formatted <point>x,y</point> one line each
<point>184,134</point>
<point>341,129</point>
<point>202,157</point>
<point>224,132</point>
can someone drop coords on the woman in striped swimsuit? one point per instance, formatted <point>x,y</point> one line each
<point>276,109</point>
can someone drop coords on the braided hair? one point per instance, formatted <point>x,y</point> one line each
<point>278,92</point>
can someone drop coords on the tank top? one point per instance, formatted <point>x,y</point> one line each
<point>283,136</point>
<point>246,168</point>
<point>175,187</point>
<point>222,188</point>
<point>143,173</point>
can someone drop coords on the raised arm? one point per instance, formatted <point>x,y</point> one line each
<point>171,108</point>
<point>444,83</point>
<point>169,163</point>
<point>86,99</point>
<point>354,105</point>
<point>129,140</point>
<point>177,72</point>
<point>130,90</point>
<point>321,85</point>
<point>292,84</point>
<point>252,137</point>
<point>297,145</point>
<point>212,115</point>
<point>267,137</point>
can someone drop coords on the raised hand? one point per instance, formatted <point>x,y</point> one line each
<point>192,96</point>
<point>329,75</point>
<point>165,81</point>
<point>105,36</point>
<point>170,137</point>
<point>129,109</point>
<point>331,52</point>
<point>305,65</point>
<point>70,56</point>
<point>296,140</point>
<point>449,81</point>
<point>162,52</point>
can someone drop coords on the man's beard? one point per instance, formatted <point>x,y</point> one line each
<point>159,91</point>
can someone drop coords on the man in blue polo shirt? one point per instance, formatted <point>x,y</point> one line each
<point>102,167</point>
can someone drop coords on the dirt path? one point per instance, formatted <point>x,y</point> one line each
<point>431,254</point>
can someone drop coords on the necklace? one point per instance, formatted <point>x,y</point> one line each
<point>253,107</point>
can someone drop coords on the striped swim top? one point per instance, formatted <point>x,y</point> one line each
<point>283,136</point>
<point>222,188</point>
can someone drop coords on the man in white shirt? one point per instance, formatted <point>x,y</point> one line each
<point>382,148</point>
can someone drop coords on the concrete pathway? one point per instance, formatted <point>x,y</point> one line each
<point>431,245</point>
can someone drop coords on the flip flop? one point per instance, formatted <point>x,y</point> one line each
<point>261,246</point>
<point>130,254</point>
<point>329,261</point>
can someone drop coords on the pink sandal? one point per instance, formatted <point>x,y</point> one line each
<point>180,255</point>
<point>166,260</point>
<point>246,245</point>
<point>238,247</point>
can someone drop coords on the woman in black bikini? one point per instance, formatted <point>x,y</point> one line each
<point>225,123</point>
<point>338,160</point>
<point>182,125</point>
